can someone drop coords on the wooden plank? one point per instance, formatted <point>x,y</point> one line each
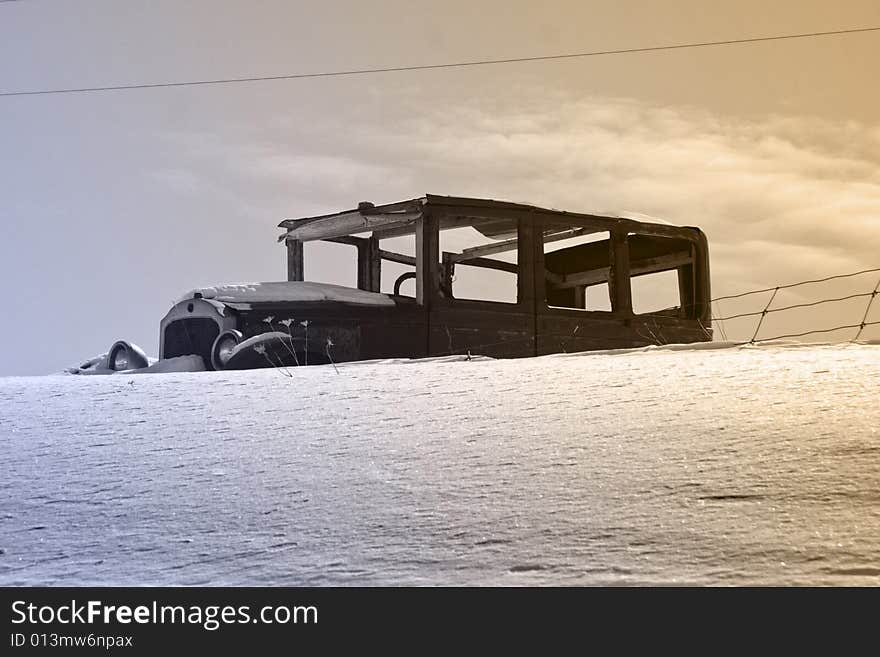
<point>365,208</point>
<point>490,209</point>
<point>410,205</point>
<point>661,230</point>
<point>350,223</point>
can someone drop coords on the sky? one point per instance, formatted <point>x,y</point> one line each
<point>115,203</point>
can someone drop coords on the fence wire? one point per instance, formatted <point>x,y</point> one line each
<point>656,336</point>
<point>797,284</point>
<point>767,310</point>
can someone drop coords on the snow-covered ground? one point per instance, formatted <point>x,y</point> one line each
<point>756,465</point>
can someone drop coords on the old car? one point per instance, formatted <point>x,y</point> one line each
<point>441,275</point>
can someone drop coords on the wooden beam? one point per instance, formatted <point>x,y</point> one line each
<point>702,281</point>
<point>350,223</point>
<point>446,223</point>
<point>363,264</point>
<point>351,241</point>
<point>660,263</point>
<point>484,250</point>
<point>619,273</point>
<point>477,209</point>
<point>447,274</point>
<point>511,244</point>
<point>374,263</point>
<point>397,257</point>
<point>637,268</point>
<point>388,233</point>
<point>295,268</point>
<point>427,259</point>
<point>687,288</point>
<point>488,263</point>
<point>525,283</point>
<point>365,208</point>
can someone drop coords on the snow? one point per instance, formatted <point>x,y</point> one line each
<point>638,216</point>
<point>98,366</point>
<point>190,363</point>
<point>707,464</point>
<point>288,292</point>
<point>95,364</point>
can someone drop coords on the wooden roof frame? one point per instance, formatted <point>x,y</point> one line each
<point>425,217</point>
<point>396,219</point>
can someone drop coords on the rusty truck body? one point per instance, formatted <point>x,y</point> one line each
<point>412,302</point>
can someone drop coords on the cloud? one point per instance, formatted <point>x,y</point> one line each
<point>782,198</point>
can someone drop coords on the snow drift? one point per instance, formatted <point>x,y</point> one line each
<point>709,464</point>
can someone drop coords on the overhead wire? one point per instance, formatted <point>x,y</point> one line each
<point>426,67</point>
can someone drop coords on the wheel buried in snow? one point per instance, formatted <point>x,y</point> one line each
<point>126,356</point>
<point>224,345</point>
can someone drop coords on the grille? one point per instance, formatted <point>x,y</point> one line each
<point>195,335</point>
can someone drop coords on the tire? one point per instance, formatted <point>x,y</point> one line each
<point>223,346</point>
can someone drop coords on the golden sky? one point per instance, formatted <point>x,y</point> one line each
<point>772,148</point>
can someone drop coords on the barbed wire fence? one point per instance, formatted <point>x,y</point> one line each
<point>655,333</point>
<point>767,309</point>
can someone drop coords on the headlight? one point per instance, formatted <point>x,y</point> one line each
<point>126,356</point>
<point>119,361</point>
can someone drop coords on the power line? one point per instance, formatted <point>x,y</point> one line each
<point>426,67</point>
